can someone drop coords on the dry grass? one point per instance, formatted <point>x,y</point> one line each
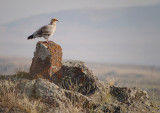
<point>103,96</point>
<point>155,101</point>
<point>107,97</point>
<point>10,98</point>
<point>156,105</point>
<point>111,81</point>
<point>74,109</point>
<point>22,74</point>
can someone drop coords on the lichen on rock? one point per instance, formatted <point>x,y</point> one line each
<point>47,60</point>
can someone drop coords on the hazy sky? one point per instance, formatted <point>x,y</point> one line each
<point>111,31</point>
<point>15,9</point>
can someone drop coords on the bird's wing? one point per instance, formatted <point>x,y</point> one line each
<point>44,31</point>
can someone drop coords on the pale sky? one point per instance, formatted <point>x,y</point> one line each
<point>11,10</point>
<point>109,31</point>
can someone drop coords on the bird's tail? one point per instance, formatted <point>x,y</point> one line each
<point>30,37</point>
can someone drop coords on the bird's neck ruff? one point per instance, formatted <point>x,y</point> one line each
<point>52,23</point>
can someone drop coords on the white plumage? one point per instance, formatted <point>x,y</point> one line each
<point>46,31</point>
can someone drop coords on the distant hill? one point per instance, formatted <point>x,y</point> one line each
<point>10,65</point>
<point>104,34</point>
<point>145,77</point>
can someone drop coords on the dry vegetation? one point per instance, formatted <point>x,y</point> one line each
<point>10,98</point>
<point>131,76</point>
<point>145,77</point>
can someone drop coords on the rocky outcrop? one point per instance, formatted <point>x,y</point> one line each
<point>129,95</point>
<point>71,75</point>
<point>67,87</point>
<point>56,96</point>
<point>12,110</point>
<point>47,60</point>
<point>58,99</point>
<point>75,75</point>
<point>49,93</point>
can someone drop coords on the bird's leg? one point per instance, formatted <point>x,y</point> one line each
<point>47,40</point>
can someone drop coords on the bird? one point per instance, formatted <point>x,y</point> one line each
<point>45,31</point>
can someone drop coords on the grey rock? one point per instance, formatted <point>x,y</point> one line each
<point>75,85</point>
<point>50,93</point>
<point>75,75</point>
<point>58,97</point>
<point>27,87</point>
<point>129,95</point>
<point>11,110</point>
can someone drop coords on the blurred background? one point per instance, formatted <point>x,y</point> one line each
<point>118,39</point>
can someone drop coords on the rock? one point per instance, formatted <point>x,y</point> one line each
<point>129,95</point>
<point>57,110</point>
<point>75,75</point>
<point>58,99</point>
<point>4,109</point>
<point>71,75</point>
<point>16,110</point>
<point>111,108</point>
<point>56,96</point>
<point>50,93</point>
<point>47,60</point>
<point>12,110</point>
<point>27,87</point>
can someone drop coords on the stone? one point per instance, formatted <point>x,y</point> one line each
<point>47,60</point>
<point>47,91</point>
<point>4,109</point>
<point>55,96</point>
<point>71,75</point>
<point>27,87</point>
<point>75,75</point>
<point>50,93</point>
<point>58,99</point>
<point>12,110</point>
<point>111,108</point>
<point>129,95</point>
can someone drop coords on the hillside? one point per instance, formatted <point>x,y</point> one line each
<point>20,93</point>
<point>53,85</point>
<point>145,77</point>
<point>10,65</point>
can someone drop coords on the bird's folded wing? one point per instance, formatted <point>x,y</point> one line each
<point>44,31</point>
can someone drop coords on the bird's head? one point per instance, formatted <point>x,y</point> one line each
<point>54,20</point>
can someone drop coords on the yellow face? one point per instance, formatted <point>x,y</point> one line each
<point>54,19</point>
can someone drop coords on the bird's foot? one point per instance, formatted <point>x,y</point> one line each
<point>47,41</point>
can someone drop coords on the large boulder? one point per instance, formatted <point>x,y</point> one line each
<point>75,75</point>
<point>72,75</point>
<point>56,96</point>
<point>47,60</point>
<point>49,93</point>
